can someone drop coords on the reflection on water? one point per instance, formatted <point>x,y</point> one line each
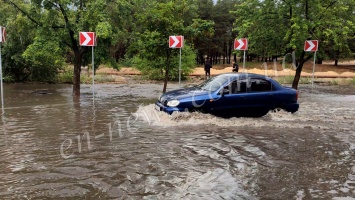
<point>54,146</point>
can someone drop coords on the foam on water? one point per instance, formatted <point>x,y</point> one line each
<point>315,112</point>
<point>279,119</point>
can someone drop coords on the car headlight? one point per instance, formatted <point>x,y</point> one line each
<point>173,103</point>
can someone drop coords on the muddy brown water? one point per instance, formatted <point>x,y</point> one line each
<point>55,147</point>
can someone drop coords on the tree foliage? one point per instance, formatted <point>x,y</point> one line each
<point>274,27</point>
<point>58,23</point>
<point>162,19</point>
<point>45,59</point>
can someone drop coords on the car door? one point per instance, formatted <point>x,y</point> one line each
<point>261,94</point>
<point>232,97</point>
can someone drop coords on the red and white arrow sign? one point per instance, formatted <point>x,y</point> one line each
<point>241,44</point>
<point>2,34</point>
<point>176,41</point>
<point>87,39</point>
<point>311,45</point>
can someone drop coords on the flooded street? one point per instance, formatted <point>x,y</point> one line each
<point>55,147</point>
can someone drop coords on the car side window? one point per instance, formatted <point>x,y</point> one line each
<point>260,85</point>
<point>239,86</point>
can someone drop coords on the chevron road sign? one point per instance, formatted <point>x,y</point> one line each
<point>311,45</point>
<point>176,41</point>
<point>87,39</point>
<point>241,44</point>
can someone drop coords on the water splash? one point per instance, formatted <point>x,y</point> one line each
<point>278,119</point>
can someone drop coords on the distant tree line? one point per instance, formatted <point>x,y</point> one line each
<point>43,36</point>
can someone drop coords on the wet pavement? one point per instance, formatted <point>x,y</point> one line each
<point>55,147</point>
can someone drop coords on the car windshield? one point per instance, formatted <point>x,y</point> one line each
<point>214,83</point>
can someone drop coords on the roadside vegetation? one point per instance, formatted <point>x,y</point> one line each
<point>43,36</point>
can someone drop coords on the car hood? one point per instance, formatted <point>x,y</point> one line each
<point>182,93</point>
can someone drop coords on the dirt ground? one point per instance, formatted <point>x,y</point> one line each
<point>325,74</point>
<point>326,70</point>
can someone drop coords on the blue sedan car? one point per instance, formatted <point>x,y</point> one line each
<point>231,94</point>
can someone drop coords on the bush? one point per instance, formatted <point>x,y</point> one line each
<point>45,60</point>
<point>126,62</point>
<point>85,79</point>
<point>8,79</point>
<point>154,68</point>
<point>66,76</point>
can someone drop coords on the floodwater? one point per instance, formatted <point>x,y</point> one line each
<point>118,147</point>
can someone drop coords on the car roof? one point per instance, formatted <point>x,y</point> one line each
<point>242,75</point>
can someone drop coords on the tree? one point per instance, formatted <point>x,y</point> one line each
<point>160,21</point>
<point>224,34</point>
<point>287,24</point>
<point>122,19</point>
<point>203,41</point>
<point>61,21</point>
<point>326,21</point>
<point>20,34</point>
<point>45,59</point>
<point>201,32</point>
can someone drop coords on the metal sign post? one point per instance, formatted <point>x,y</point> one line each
<point>244,62</point>
<point>2,39</point>
<point>180,70</point>
<point>311,46</point>
<point>177,42</point>
<point>93,76</point>
<point>89,39</point>
<point>1,86</point>
<point>314,66</point>
<point>241,44</point>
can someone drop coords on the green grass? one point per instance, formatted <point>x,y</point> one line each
<point>334,82</point>
<point>66,76</point>
<point>289,80</point>
<point>285,79</point>
<point>98,79</point>
<point>104,78</point>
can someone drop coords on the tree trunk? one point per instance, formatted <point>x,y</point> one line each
<point>166,78</point>
<point>77,70</point>
<point>302,60</point>
<point>336,62</point>
<point>76,81</point>
<point>297,75</point>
